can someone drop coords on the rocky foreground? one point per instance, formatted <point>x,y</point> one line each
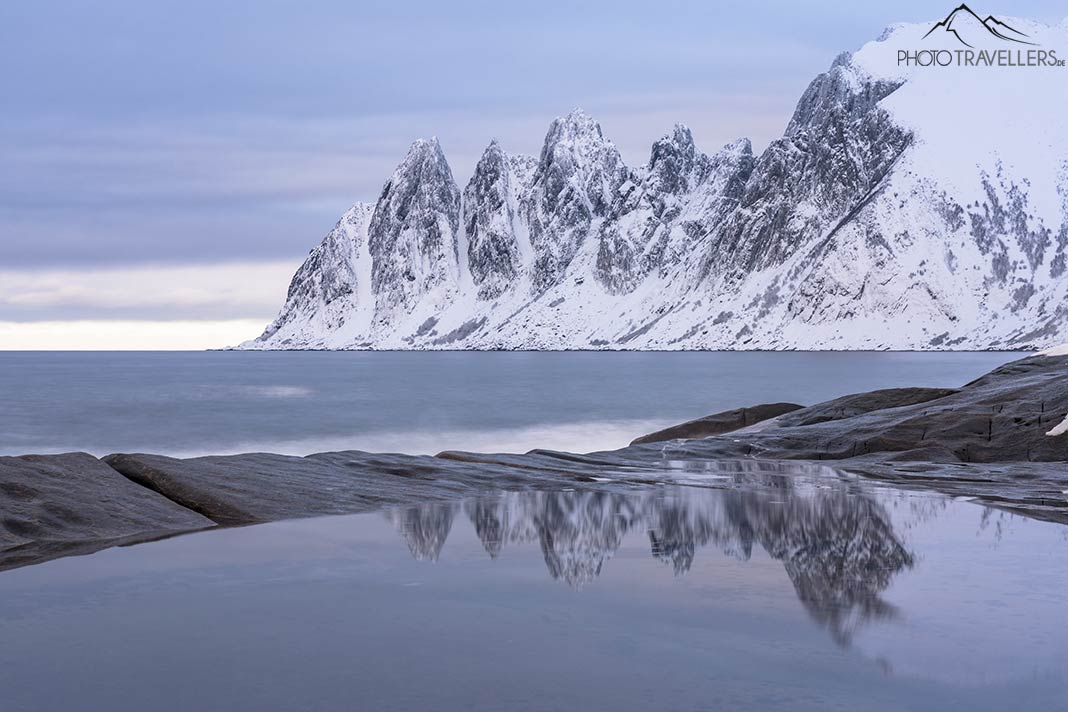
<point>998,439</point>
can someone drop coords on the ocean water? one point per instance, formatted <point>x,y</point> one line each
<point>193,403</point>
<point>780,593</point>
<point>808,589</point>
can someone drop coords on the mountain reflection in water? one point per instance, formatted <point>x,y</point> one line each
<point>838,547</point>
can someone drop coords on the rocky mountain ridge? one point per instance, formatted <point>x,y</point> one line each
<point>901,209</point>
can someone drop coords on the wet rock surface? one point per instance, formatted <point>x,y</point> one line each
<point>1001,417</point>
<point>262,487</point>
<point>56,505</point>
<point>861,403</point>
<point>987,439</point>
<point>719,423</point>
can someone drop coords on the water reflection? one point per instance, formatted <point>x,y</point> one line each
<point>838,547</point>
<point>425,527</point>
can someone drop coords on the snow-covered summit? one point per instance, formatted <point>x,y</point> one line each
<point>905,206</point>
<point>578,176</point>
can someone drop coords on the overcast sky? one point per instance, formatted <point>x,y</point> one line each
<point>166,165</point>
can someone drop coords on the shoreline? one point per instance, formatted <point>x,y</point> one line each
<point>986,440</point>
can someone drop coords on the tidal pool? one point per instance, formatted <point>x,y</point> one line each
<point>786,593</point>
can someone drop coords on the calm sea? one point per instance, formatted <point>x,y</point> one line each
<point>194,403</point>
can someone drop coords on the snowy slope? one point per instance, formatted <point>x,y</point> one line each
<point>904,207</point>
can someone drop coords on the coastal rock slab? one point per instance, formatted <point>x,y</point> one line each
<point>56,505</point>
<point>262,487</point>
<point>1001,417</point>
<point>719,423</point>
<point>861,403</point>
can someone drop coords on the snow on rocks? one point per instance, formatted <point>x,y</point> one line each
<point>892,214</point>
<point>1060,429</point>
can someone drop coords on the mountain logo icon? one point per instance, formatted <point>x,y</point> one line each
<point>965,25</point>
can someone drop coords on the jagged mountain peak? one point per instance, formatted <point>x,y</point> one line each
<point>424,152</point>
<point>679,141</point>
<point>566,137</point>
<point>424,171</point>
<point>675,164</point>
<point>496,244</point>
<point>576,134</point>
<point>843,92</point>
<point>579,120</point>
<point>329,292</point>
<point>492,152</point>
<point>738,147</point>
<point>680,133</point>
<point>578,177</point>
<point>844,58</point>
<point>888,200</point>
<point>431,143</point>
<point>413,235</point>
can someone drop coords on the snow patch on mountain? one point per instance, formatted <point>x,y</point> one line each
<point>330,298</point>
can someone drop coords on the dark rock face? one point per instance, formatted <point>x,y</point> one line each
<point>490,214</point>
<point>719,423</point>
<point>579,174</point>
<point>56,505</point>
<point>412,236</point>
<point>1001,417</point>
<point>837,149</point>
<point>682,195</point>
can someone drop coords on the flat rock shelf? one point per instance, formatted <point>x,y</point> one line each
<point>989,439</point>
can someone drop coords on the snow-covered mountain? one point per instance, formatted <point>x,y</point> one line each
<point>905,206</point>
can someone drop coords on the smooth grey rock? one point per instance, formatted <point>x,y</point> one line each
<point>719,423</point>
<point>56,505</point>
<point>860,403</point>
<point>261,487</point>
